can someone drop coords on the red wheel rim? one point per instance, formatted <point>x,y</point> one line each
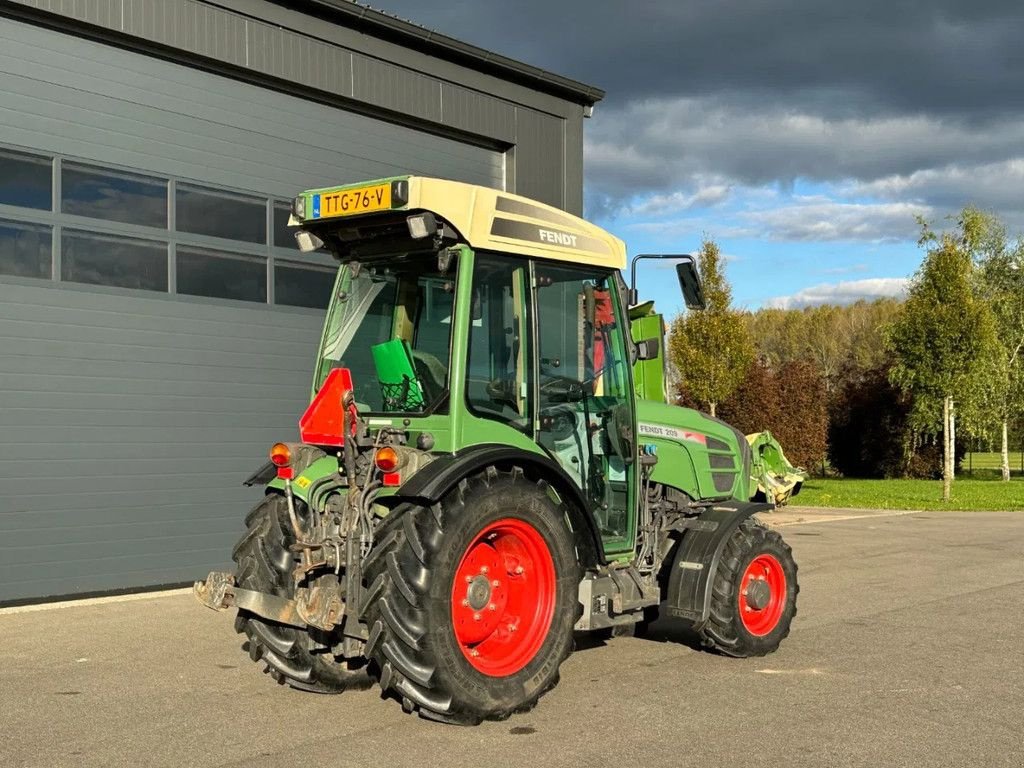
<point>762,595</point>
<point>503,598</point>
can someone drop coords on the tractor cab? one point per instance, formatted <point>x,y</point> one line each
<point>518,339</point>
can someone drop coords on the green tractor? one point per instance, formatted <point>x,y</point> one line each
<point>477,477</point>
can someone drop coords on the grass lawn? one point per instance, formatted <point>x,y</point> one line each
<point>968,494</point>
<point>993,460</point>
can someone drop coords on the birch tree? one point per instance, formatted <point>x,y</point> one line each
<point>941,332</point>
<point>1001,277</point>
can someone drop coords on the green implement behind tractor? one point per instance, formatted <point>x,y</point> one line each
<point>486,466</point>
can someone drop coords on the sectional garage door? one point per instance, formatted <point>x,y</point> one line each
<point>157,326</point>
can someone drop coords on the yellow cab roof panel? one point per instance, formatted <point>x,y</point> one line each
<point>490,219</point>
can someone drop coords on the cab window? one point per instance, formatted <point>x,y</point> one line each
<point>498,380</point>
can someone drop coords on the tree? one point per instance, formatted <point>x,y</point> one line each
<point>840,340</point>
<point>789,402</point>
<point>1001,280</point>
<point>711,349</point>
<point>940,334</point>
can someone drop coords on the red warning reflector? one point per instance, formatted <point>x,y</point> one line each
<point>286,473</point>
<point>321,424</point>
<point>392,479</point>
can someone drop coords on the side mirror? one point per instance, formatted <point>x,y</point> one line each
<point>647,349</point>
<point>689,282</point>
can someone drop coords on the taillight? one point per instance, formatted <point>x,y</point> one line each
<point>281,457</point>
<point>386,459</point>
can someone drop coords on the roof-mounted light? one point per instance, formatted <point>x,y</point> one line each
<point>308,242</point>
<point>299,207</point>
<point>421,225</point>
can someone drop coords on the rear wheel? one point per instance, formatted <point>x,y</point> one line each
<point>291,655</point>
<point>753,599</point>
<point>473,600</point>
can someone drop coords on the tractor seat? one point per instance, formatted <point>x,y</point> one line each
<point>432,374</point>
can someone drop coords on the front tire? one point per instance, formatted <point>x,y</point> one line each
<point>473,600</point>
<point>290,654</point>
<point>753,598</point>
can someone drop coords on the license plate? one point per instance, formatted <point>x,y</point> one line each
<point>352,202</point>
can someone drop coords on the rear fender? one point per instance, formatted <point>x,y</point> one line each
<point>430,484</point>
<point>697,556</point>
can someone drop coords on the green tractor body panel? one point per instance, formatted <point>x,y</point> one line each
<point>701,456</point>
<point>649,375</point>
<point>776,480</point>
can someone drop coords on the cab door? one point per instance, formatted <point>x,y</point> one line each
<point>584,391</point>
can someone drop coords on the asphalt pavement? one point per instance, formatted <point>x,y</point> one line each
<point>907,651</point>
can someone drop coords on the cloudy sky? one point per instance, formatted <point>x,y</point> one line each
<point>804,136</point>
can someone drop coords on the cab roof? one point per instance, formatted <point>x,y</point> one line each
<point>486,218</point>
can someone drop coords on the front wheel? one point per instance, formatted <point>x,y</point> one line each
<point>753,598</point>
<point>474,599</point>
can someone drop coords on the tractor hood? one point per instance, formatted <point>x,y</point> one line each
<point>695,450</point>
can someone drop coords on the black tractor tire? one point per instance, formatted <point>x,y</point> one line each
<point>752,552</point>
<point>410,579</point>
<point>264,564</point>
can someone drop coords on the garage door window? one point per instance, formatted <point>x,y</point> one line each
<point>25,249</point>
<point>221,276</point>
<point>299,286</point>
<point>133,228</point>
<point>124,262</point>
<point>204,211</point>
<point>284,236</point>
<point>112,195</point>
<point>25,180</point>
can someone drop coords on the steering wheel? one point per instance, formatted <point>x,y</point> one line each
<point>562,389</point>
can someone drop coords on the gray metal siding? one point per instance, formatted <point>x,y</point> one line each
<point>471,111</point>
<point>297,48</point>
<point>128,420</point>
<point>540,156</point>
<point>299,58</point>
<point>395,88</point>
<point>128,423</point>
<point>201,28</point>
<point>82,98</point>
<point>104,13</point>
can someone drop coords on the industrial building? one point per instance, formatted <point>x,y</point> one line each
<point>157,323</point>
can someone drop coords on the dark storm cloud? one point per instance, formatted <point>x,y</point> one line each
<point>916,103</point>
<point>832,58</point>
<point>662,142</point>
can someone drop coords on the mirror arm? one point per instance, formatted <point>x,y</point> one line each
<point>634,295</point>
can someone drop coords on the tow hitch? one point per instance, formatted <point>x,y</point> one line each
<point>220,593</point>
<point>320,607</point>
